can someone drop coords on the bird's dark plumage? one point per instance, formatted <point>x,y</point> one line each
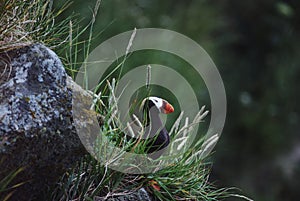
<point>158,135</point>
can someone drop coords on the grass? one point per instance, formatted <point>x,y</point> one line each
<point>184,178</point>
<point>6,186</point>
<point>24,22</point>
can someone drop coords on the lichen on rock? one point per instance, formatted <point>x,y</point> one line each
<point>33,91</point>
<point>36,125</point>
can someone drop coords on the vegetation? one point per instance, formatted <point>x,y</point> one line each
<point>255,46</point>
<point>186,177</point>
<point>7,186</point>
<point>27,22</point>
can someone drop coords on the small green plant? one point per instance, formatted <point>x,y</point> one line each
<point>6,189</point>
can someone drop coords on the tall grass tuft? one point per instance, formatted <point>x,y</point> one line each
<point>184,178</point>
<point>23,22</point>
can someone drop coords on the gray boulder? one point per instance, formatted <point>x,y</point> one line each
<point>136,195</point>
<point>36,129</point>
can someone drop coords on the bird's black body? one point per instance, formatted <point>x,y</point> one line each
<point>159,142</point>
<point>155,136</point>
<point>158,137</point>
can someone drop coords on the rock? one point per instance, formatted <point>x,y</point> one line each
<point>138,195</point>
<point>36,125</point>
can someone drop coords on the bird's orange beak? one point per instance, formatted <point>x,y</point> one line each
<point>167,108</point>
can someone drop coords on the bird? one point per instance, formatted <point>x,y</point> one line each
<point>155,132</point>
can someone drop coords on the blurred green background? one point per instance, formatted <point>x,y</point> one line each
<point>256,47</point>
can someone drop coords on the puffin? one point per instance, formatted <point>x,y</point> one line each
<point>155,132</point>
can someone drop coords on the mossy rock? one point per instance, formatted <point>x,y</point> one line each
<point>36,125</point>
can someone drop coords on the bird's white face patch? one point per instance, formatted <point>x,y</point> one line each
<point>157,101</point>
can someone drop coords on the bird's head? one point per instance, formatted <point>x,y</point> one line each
<point>162,105</point>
